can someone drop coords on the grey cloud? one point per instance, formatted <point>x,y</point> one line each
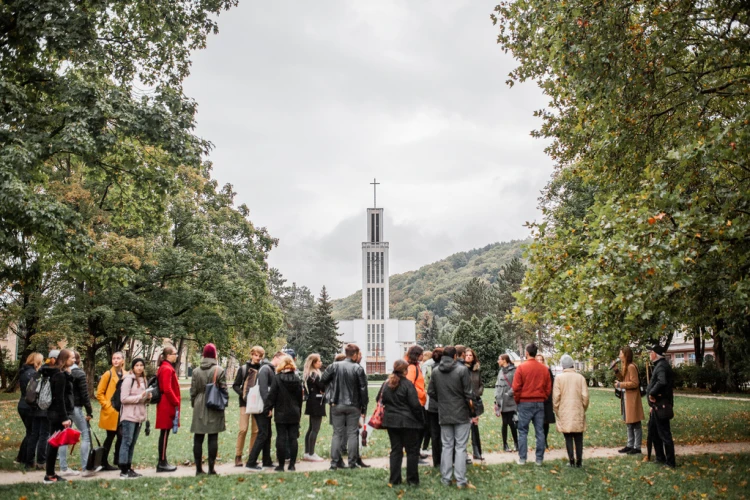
<point>307,102</point>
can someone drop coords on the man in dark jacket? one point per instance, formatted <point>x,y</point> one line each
<point>450,388</point>
<point>266,373</point>
<point>661,400</point>
<point>245,379</point>
<point>348,398</point>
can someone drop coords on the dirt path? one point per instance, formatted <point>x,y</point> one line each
<point>382,463</point>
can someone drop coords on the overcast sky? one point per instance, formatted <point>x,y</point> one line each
<point>306,102</point>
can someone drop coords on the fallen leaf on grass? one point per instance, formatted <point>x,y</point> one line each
<point>332,482</point>
<point>263,487</point>
<point>553,471</point>
<point>538,487</point>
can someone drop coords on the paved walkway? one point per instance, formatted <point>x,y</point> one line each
<point>685,395</point>
<point>381,463</point>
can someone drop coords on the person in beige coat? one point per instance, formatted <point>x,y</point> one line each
<point>631,405</point>
<point>570,400</point>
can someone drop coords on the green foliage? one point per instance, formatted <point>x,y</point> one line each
<point>645,221</point>
<point>488,340</point>
<point>323,336</point>
<point>428,330</point>
<point>431,287</point>
<point>297,305</point>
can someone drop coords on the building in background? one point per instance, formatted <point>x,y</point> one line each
<point>382,340</point>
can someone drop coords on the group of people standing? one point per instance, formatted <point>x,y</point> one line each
<point>433,396</point>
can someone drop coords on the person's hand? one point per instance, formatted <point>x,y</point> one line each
<point>67,424</point>
<point>617,384</point>
<point>88,418</point>
<point>652,399</point>
<point>475,420</point>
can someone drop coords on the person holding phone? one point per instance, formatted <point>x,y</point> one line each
<point>134,396</point>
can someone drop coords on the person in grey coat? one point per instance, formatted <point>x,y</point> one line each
<point>206,420</point>
<point>505,405</point>
<point>450,387</point>
<point>266,374</point>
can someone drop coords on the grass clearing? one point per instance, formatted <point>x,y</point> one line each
<point>704,476</point>
<point>697,421</point>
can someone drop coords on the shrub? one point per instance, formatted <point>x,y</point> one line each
<point>377,377</point>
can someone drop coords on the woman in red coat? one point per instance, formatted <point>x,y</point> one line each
<point>168,405</point>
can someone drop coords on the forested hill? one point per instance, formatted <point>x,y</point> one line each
<point>430,287</point>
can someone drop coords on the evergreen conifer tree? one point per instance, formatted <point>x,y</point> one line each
<point>323,337</point>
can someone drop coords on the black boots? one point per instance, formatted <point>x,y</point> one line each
<point>163,466</point>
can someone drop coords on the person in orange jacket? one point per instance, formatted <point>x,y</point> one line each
<point>109,417</point>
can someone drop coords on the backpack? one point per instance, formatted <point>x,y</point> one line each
<point>44,393</point>
<point>32,389</point>
<point>115,399</point>
<point>153,384</point>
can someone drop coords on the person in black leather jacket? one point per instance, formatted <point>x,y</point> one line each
<point>26,412</point>
<point>81,401</point>
<point>348,398</point>
<point>660,393</point>
<point>285,400</point>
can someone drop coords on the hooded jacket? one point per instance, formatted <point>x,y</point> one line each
<point>450,388</point>
<point>133,408</point>
<point>504,389</point>
<point>27,372</point>
<point>206,420</point>
<point>285,398</point>
<point>264,379</point>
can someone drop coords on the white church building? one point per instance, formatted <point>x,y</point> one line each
<point>382,340</point>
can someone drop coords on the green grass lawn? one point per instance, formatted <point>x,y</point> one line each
<point>705,476</point>
<point>697,421</point>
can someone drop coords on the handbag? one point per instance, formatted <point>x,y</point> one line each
<point>96,455</point>
<point>254,404</point>
<point>618,393</point>
<point>216,399</point>
<point>376,420</point>
<point>664,411</point>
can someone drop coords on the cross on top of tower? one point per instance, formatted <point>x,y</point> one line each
<point>375,185</point>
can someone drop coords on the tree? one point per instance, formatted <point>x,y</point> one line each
<point>475,299</point>
<point>645,222</point>
<point>487,339</point>
<point>427,330</point>
<point>323,337</point>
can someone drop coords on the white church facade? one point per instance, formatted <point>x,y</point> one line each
<point>382,340</point>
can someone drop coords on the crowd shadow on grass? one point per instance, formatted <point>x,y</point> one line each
<point>696,421</point>
<point>704,476</point>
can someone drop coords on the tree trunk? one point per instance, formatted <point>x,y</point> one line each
<point>89,366</point>
<point>180,346</point>
<point>699,343</point>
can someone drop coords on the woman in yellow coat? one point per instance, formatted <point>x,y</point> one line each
<point>109,417</point>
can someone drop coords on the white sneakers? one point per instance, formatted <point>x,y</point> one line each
<point>69,472</point>
<point>312,458</point>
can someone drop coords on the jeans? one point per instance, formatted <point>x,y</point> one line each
<point>437,442</point>
<point>79,419</point>
<point>576,438</point>
<point>455,438</point>
<point>37,444</point>
<point>311,436</point>
<point>27,420</point>
<point>528,412</point>
<point>287,443</point>
<point>344,419</point>
<point>635,435</point>
<point>263,441</point>
<point>246,421</point>
<point>409,440</point>
<point>130,431</point>
<point>660,431</point>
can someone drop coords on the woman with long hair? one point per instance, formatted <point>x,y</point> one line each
<point>108,416</point>
<point>285,400</point>
<point>81,402</point>
<point>207,420</point>
<point>631,405</point>
<point>133,397</point>
<point>315,407</point>
<point>472,363</point>
<point>415,376</point>
<point>169,405</point>
<point>505,405</point>
<point>403,418</point>
<point>30,446</point>
<point>60,412</point>
<point>549,412</point>
<point>433,423</point>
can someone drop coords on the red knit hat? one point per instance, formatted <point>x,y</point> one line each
<point>209,351</point>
